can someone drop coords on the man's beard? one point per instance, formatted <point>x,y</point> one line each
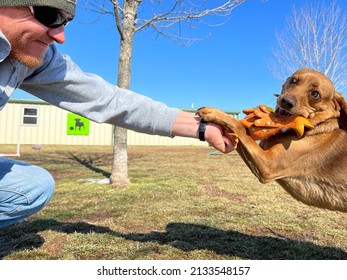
<point>26,59</point>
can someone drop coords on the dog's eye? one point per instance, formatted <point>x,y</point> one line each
<point>315,94</point>
<point>293,80</point>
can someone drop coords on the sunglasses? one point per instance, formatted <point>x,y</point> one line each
<point>50,17</point>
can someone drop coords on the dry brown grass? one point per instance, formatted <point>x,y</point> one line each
<point>183,204</point>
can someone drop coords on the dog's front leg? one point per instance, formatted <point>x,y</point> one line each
<point>263,164</point>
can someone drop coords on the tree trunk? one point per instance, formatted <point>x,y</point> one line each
<point>119,174</point>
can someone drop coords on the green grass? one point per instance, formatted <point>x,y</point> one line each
<point>182,204</point>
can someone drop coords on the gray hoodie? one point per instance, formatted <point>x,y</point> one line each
<point>59,81</point>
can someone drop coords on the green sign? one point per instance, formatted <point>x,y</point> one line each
<point>77,125</point>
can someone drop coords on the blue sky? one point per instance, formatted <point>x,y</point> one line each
<point>227,69</point>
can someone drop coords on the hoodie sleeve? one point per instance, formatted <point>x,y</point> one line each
<point>59,81</point>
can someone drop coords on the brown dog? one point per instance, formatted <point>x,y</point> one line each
<point>312,169</point>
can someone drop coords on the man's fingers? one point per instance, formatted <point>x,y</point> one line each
<point>230,145</point>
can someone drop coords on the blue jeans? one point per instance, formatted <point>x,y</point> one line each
<point>24,190</point>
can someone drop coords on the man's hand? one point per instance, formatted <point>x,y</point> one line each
<point>187,125</point>
<point>216,137</point>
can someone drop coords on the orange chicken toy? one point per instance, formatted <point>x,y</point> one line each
<point>261,123</point>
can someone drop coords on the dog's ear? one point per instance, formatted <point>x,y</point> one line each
<point>341,105</point>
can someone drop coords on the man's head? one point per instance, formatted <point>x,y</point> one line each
<point>32,25</point>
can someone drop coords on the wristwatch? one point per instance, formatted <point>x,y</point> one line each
<point>202,129</point>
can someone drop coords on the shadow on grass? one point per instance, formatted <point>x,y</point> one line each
<point>184,236</point>
<point>88,163</point>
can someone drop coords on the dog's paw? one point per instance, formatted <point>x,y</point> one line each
<point>207,114</point>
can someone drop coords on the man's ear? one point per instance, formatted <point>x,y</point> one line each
<point>341,105</point>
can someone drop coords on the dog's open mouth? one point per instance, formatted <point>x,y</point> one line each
<point>282,112</point>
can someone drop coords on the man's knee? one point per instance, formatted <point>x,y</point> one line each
<point>23,192</point>
<point>44,184</point>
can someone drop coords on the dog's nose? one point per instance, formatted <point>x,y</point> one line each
<point>286,102</point>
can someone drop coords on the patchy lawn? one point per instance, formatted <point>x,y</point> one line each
<point>183,203</point>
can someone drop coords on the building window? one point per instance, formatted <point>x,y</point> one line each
<point>30,116</point>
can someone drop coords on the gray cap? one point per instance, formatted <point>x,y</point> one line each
<point>68,6</point>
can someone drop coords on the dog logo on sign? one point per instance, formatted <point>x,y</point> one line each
<point>79,124</point>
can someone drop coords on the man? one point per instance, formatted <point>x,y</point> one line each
<point>29,60</point>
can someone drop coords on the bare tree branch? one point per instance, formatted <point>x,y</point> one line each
<point>170,18</point>
<point>116,9</point>
<point>315,37</point>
